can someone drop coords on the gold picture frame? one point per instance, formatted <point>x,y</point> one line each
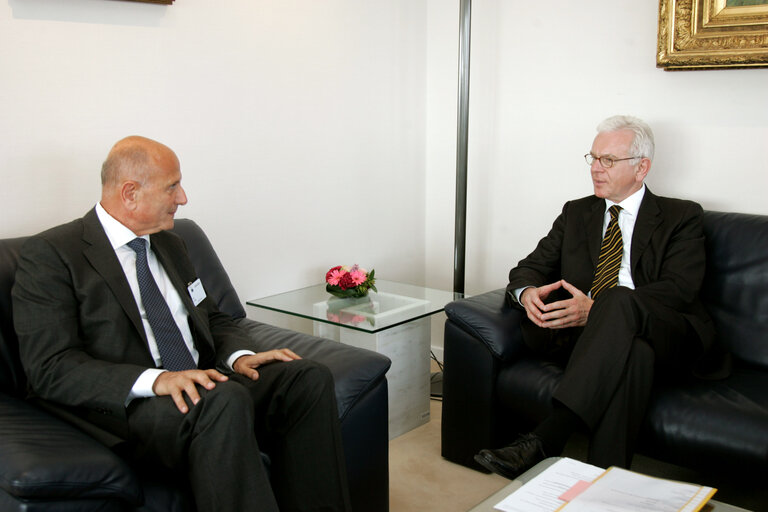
<point>706,34</point>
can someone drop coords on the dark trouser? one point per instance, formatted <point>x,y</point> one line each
<point>611,364</point>
<point>289,413</point>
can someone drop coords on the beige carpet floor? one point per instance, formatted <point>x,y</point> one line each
<point>421,480</point>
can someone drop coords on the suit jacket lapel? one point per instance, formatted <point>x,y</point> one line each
<point>648,219</point>
<point>593,223</point>
<point>166,259</point>
<point>99,252</point>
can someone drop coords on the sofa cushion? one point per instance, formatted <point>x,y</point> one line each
<point>44,458</point>
<point>700,422</point>
<point>734,289</point>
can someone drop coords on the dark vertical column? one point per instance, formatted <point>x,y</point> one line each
<point>460,235</point>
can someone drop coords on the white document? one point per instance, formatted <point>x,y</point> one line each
<point>620,490</point>
<point>542,493</point>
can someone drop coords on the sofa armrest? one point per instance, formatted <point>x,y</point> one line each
<point>489,319</point>
<point>43,458</point>
<point>355,370</point>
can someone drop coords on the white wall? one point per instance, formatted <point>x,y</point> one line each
<point>543,75</point>
<point>300,125</point>
<point>317,133</point>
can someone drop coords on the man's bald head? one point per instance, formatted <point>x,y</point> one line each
<point>129,159</point>
<point>141,184</point>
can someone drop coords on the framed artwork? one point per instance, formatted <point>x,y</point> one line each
<point>705,34</point>
<point>166,2</point>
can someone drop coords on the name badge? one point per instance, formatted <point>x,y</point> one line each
<point>197,292</point>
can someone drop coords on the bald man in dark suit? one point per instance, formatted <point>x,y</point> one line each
<point>614,336</point>
<point>207,406</point>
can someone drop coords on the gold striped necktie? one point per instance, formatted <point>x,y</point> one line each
<point>609,261</point>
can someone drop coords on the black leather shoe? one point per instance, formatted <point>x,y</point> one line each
<point>515,459</point>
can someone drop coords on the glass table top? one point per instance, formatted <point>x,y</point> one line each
<point>394,304</point>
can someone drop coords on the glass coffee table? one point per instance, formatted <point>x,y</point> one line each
<point>393,321</point>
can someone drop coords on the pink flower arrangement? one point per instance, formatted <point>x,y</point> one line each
<point>354,281</point>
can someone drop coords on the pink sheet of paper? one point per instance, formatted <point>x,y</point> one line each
<point>574,491</point>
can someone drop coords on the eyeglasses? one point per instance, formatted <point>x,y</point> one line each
<point>606,161</point>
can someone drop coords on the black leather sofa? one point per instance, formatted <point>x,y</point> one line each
<point>48,465</point>
<point>494,389</point>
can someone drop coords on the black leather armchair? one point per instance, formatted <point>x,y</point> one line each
<point>494,389</point>
<point>48,465</point>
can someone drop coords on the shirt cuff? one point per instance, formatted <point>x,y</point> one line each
<point>142,388</point>
<point>233,357</point>
<point>519,291</point>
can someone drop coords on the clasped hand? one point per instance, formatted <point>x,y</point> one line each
<point>561,314</point>
<point>175,384</point>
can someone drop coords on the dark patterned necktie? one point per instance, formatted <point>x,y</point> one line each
<point>609,261</point>
<point>174,353</point>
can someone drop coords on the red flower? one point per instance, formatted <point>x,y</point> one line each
<point>328,274</point>
<point>346,281</point>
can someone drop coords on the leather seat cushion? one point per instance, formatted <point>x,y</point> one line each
<point>45,458</point>
<point>701,422</point>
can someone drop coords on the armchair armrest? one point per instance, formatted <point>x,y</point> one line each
<point>482,334</point>
<point>489,319</point>
<point>355,370</point>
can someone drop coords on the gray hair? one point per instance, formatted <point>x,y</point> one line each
<point>642,144</point>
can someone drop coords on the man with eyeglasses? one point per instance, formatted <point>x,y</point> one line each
<point>611,294</point>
